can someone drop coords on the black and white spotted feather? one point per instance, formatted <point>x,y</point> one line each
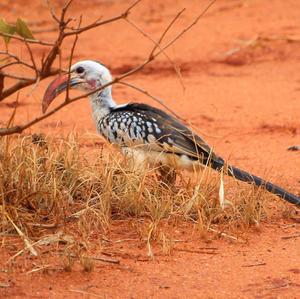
<point>151,129</point>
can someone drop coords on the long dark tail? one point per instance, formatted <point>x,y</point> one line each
<point>250,178</point>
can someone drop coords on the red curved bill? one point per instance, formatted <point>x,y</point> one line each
<point>56,87</point>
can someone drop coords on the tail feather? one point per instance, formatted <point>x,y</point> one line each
<point>250,178</point>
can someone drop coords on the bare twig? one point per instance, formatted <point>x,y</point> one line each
<point>9,64</point>
<point>12,76</point>
<point>71,60</point>
<point>165,32</point>
<point>145,92</point>
<point>104,22</point>
<point>1,82</point>
<point>56,48</point>
<point>177,71</point>
<point>188,27</point>
<point>32,60</point>
<point>28,40</point>
<point>53,15</point>
<point>17,60</point>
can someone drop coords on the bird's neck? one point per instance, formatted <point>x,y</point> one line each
<point>102,103</point>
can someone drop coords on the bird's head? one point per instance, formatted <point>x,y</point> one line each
<point>86,75</point>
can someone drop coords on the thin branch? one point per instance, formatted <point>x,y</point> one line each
<point>95,24</point>
<point>55,49</point>
<point>46,67</point>
<point>70,61</point>
<point>90,25</point>
<point>32,60</point>
<point>176,69</point>
<point>8,75</point>
<point>63,23</point>
<point>1,82</point>
<point>55,18</point>
<point>190,26</point>
<point>65,8</point>
<point>145,92</point>
<point>18,60</point>
<point>98,23</point>
<point>9,64</point>
<point>28,40</point>
<point>132,6</point>
<point>165,32</point>
<point>63,12</point>
<point>34,86</point>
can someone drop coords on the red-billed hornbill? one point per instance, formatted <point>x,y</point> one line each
<point>148,134</point>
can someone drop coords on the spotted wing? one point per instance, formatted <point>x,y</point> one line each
<point>148,126</point>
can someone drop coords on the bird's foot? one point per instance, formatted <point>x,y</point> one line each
<point>294,148</point>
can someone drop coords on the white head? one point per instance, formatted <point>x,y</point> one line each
<point>88,75</point>
<point>85,75</point>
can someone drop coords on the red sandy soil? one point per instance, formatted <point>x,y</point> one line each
<point>245,105</point>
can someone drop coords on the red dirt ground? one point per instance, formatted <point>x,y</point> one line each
<point>246,105</point>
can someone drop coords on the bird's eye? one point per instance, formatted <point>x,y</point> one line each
<point>80,70</point>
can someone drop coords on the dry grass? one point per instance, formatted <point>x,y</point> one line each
<point>58,184</point>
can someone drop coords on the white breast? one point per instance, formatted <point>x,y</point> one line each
<point>139,159</point>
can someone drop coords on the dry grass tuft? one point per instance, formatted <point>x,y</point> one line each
<point>59,191</point>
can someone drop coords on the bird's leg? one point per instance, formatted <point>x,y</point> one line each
<point>135,160</point>
<point>167,175</point>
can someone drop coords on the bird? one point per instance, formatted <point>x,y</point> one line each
<point>145,133</point>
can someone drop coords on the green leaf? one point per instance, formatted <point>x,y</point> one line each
<point>23,30</point>
<point>6,28</point>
